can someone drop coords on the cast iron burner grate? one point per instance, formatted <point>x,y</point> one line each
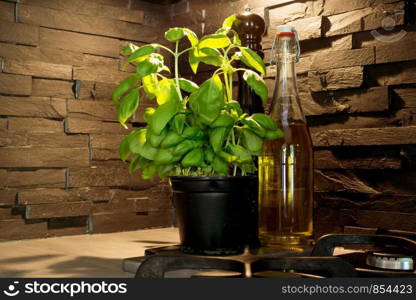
<point>318,262</point>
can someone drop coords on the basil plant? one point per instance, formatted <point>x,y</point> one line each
<point>194,130</point>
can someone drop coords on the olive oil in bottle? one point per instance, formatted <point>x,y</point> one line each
<point>286,165</point>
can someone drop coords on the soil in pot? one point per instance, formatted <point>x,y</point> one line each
<point>216,215</point>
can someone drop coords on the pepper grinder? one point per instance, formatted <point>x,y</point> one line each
<point>250,28</point>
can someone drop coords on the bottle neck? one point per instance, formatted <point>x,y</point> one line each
<point>286,108</point>
<point>285,85</point>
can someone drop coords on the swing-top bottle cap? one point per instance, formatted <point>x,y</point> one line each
<point>285,28</point>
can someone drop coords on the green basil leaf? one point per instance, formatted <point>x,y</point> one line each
<point>183,148</point>
<point>129,49</point>
<point>211,60</point>
<point>229,21</point>
<point>164,170</point>
<point>193,59</point>
<point>191,132</point>
<point>151,85</point>
<point>209,155</point>
<point>252,60</point>
<point>254,126</point>
<point>193,39</point>
<point>134,163</point>
<point>257,84</point>
<point>155,140</point>
<point>272,135</point>
<point>265,121</point>
<point>148,113</point>
<point>229,158</point>
<point>124,148</point>
<point>142,52</point>
<point>236,107</point>
<point>252,142</point>
<point>163,156</point>
<point>217,138</point>
<point>128,106</point>
<point>137,139</point>
<point>174,34</point>
<point>243,155</point>
<point>223,120</point>
<point>187,85</point>
<point>166,91</point>
<point>152,64</point>
<point>208,100</point>
<point>123,87</point>
<point>149,171</point>
<point>147,151</point>
<point>171,139</point>
<point>214,41</point>
<point>163,115</point>
<point>209,52</point>
<point>220,166</point>
<point>194,158</point>
<point>178,123</point>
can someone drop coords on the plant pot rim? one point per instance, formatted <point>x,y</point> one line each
<point>224,178</point>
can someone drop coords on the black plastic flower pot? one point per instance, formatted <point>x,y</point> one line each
<point>216,215</point>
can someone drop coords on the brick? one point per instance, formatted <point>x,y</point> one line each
<point>97,175</point>
<point>38,178</point>
<point>100,74</point>
<point>339,121</point>
<point>365,136</point>
<point>46,17</point>
<point>388,203</point>
<point>35,125</point>
<point>79,42</point>
<point>386,220</point>
<point>8,197</point>
<point>352,101</point>
<point>343,58</point>
<point>332,221</point>
<point>132,16</point>
<point>94,110</point>
<point>391,74</point>
<point>109,222</point>
<point>287,13</point>
<point>67,226</point>
<point>3,123</point>
<point>72,209</point>
<point>52,88</point>
<point>390,53</point>
<point>33,107</point>
<point>21,229</point>
<point>7,11</point>
<point>335,7</point>
<point>348,159</point>
<point>385,38</point>
<point>407,96</point>
<point>76,125</point>
<point>75,6</point>
<point>19,33</point>
<point>364,19</point>
<point>6,213</point>
<point>308,28</point>
<point>105,147</point>
<point>335,79</point>
<point>12,84</point>
<point>37,68</point>
<point>50,195</point>
<point>44,157</point>
<point>42,139</point>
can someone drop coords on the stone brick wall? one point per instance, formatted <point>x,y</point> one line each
<point>59,167</point>
<point>359,95</point>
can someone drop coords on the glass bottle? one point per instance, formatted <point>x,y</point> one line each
<point>250,28</point>
<point>286,165</point>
